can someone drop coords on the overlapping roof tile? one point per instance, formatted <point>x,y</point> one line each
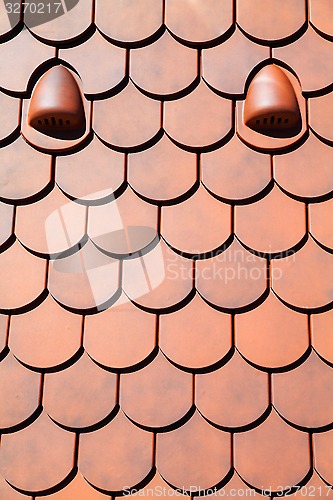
<point>166,269</point>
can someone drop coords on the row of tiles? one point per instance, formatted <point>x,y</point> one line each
<point>131,121</point>
<point>272,455</point>
<point>192,22</point>
<point>123,337</point>
<point>160,396</point>
<point>103,66</point>
<point>233,173</point>
<point>120,227</point>
<point>235,280</point>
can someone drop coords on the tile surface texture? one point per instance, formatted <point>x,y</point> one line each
<point>166,278</point>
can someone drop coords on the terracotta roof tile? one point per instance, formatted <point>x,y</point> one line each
<point>78,180</point>
<point>226,67</point>
<point>320,116</point>
<point>18,464</point>
<point>321,334</point>
<point>19,391</point>
<point>100,64</point>
<point>199,120</point>
<point>166,275</point>
<point>25,172</point>
<point>121,336</point>
<point>305,172</point>
<point>80,396</point>
<point>271,21</point>
<point>204,223</point>
<point>309,51</point>
<point>128,464</point>
<point>220,400</point>
<point>40,226</point>
<point>204,449</point>
<point>310,408</point>
<point>262,341</point>
<point>172,171</point>
<point>22,278</point>
<point>128,120</point>
<point>273,224</point>
<point>321,17</point>
<point>165,394</point>
<point>123,22</point>
<point>272,455</point>
<point>154,68</point>
<point>195,22</point>
<point>184,328</point>
<point>235,172</point>
<point>64,28</point>
<point>45,337</point>
<point>234,279</point>
<point>303,279</point>
<point>320,212</point>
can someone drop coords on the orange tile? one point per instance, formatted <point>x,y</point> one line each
<point>182,339</point>
<point>271,21</point>
<point>204,449</point>
<point>172,171</point>
<point>67,27</point>
<point>20,57</point>
<point>233,396</point>
<point>22,278</point>
<point>321,16</point>
<point>203,223</point>
<point>235,172</point>
<point>123,226</point>
<point>157,487</point>
<point>233,279</point>
<point>320,111</point>
<point>78,488</point>
<point>121,336</point>
<point>200,119</point>
<point>308,52</point>
<point>38,457</point>
<point>303,396</point>
<point>6,222</point>
<point>315,488</point>
<point>80,396</point>
<point>10,108</point>
<point>100,64</point>
<point>261,340</point>
<point>197,22</point>
<point>52,225</point>
<point>78,180</point>
<point>160,279</point>
<point>272,456</point>
<point>122,21</point>
<point>165,394</point>
<point>45,337</point>
<point>8,493</point>
<point>88,279</point>
<point>273,224</point>
<point>25,171</point>
<point>304,278</point>
<point>234,488</point>
<point>3,331</point>
<point>155,68</point>
<point>127,120</point>
<point>220,70</point>
<point>323,455</point>
<point>322,339</point>
<point>129,462</point>
<point>321,216</point>
<point>19,392</point>
<point>7,25</point>
<point>305,172</point>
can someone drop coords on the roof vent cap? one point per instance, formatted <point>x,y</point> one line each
<point>56,106</point>
<point>271,105</point>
